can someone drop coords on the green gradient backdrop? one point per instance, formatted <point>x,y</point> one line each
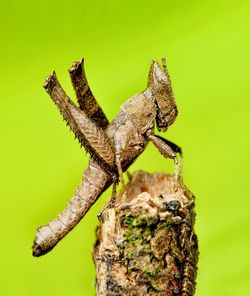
<point>205,43</point>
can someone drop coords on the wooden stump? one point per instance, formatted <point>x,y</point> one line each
<point>146,243</point>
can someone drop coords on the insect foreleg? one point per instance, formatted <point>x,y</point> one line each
<point>175,148</point>
<point>168,150</point>
<point>86,100</point>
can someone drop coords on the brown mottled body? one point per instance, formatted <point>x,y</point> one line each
<point>146,243</point>
<point>112,150</point>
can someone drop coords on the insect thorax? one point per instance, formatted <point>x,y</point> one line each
<point>141,112</point>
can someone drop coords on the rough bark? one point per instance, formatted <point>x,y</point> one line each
<point>146,243</point>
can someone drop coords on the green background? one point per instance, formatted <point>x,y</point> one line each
<point>207,48</point>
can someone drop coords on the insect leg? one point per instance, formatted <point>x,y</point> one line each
<point>119,167</point>
<point>168,150</point>
<point>89,134</point>
<point>115,181</point>
<point>175,148</point>
<point>86,100</point>
<point>112,200</point>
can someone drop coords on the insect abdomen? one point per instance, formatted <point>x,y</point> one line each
<point>94,182</point>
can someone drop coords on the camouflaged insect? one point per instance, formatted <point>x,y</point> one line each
<point>114,146</point>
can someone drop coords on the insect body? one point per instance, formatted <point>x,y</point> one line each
<point>113,147</point>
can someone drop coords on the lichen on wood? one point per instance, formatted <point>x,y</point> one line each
<point>146,243</point>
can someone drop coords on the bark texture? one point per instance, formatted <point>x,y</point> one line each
<point>146,243</point>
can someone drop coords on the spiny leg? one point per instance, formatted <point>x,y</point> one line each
<point>89,134</point>
<point>168,150</point>
<point>85,97</point>
<point>90,106</point>
<point>87,101</point>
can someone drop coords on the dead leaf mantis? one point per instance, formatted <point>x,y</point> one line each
<point>113,147</point>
